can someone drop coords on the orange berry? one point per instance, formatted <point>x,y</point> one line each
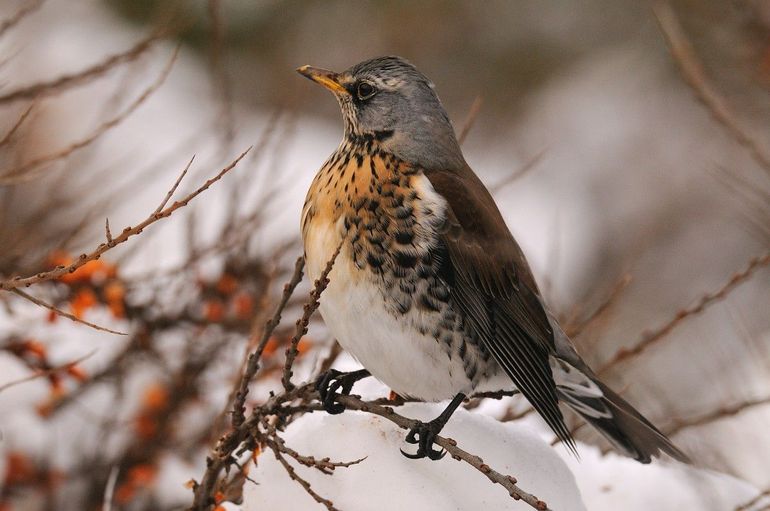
<point>227,284</point>
<point>155,397</point>
<point>143,474</point>
<point>304,345</point>
<point>271,345</point>
<point>114,291</point>
<point>59,258</point>
<point>19,469</point>
<point>213,311</point>
<point>244,305</point>
<point>35,347</point>
<point>77,373</point>
<point>82,301</point>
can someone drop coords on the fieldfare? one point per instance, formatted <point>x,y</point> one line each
<point>429,289</point>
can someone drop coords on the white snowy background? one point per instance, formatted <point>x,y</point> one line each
<point>625,184</point>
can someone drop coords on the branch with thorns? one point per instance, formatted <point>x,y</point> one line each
<point>701,305</point>
<point>161,212</point>
<point>262,425</point>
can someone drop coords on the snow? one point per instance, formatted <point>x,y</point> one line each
<point>386,476</point>
<point>615,482</point>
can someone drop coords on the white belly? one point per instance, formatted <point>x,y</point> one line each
<point>410,363</point>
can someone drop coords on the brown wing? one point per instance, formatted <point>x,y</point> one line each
<point>493,286</point>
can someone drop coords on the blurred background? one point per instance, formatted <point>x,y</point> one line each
<point>636,179</point>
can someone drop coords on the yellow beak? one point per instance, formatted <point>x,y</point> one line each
<point>328,79</point>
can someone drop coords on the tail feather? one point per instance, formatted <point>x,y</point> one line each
<point>623,426</point>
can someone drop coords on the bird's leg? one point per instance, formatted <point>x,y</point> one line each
<point>332,381</point>
<point>424,433</point>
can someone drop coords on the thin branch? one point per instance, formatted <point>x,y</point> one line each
<point>45,372</point>
<point>324,465</point>
<point>702,304</point>
<point>721,413</point>
<point>43,89</point>
<point>302,323</point>
<point>574,327</point>
<point>302,482</point>
<point>506,481</point>
<point>23,117</point>
<point>749,504</point>
<point>694,75</point>
<point>252,365</point>
<point>62,313</point>
<point>470,119</point>
<point>107,232</point>
<point>109,488</point>
<point>220,78</point>
<point>21,173</point>
<point>127,233</point>
<point>170,193</point>
<point>521,172</point>
<point>24,11</point>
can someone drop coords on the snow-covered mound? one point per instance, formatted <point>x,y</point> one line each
<point>388,480</point>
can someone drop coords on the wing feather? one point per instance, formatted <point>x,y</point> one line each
<point>493,287</point>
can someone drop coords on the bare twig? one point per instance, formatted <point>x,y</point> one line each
<point>252,365</point>
<point>749,504</point>
<point>518,174</point>
<point>71,317</point>
<point>506,481</point>
<point>220,78</point>
<point>324,465</point>
<point>302,323</point>
<point>470,119</point>
<point>45,372</point>
<point>302,482</point>
<point>11,132</point>
<point>127,233</point>
<point>693,73</point>
<point>702,304</point>
<point>25,10</point>
<point>720,413</point>
<point>21,173</point>
<point>42,89</point>
<point>109,488</point>
<point>576,327</point>
<point>171,191</point>
<point>107,232</point>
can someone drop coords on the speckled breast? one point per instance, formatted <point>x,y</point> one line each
<point>388,302</point>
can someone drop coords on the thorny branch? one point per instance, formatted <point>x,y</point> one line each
<point>720,413</point>
<point>749,504</point>
<point>302,323</point>
<point>23,11</point>
<point>506,481</point>
<point>261,427</point>
<point>42,89</point>
<point>702,304</point>
<point>71,317</point>
<point>45,372</point>
<point>693,73</point>
<point>253,363</point>
<point>22,173</point>
<point>127,233</point>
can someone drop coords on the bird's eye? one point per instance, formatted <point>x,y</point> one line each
<point>365,90</point>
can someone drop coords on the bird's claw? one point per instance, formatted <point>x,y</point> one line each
<point>333,383</point>
<point>423,435</point>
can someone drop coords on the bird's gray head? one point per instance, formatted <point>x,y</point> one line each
<point>388,99</point>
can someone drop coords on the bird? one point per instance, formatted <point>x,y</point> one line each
<point>428,289</point>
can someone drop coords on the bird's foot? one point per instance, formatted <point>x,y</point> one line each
<point>333,383</point>
<point>423,435</point>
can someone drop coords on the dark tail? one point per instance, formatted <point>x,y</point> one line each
<point>625,428</point>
